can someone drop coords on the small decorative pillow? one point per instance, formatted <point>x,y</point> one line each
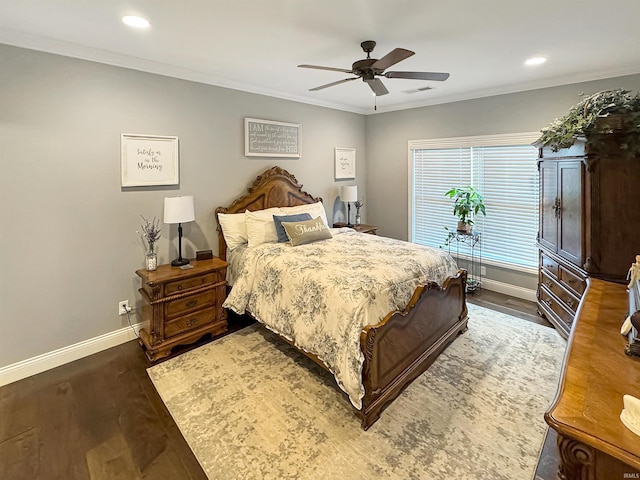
<point>278,219</point>
<point>301,233</point>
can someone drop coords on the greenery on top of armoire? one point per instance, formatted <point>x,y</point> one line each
<point>594,117</point>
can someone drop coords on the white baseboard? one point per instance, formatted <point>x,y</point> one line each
<point>47,361</point>
<point>507,289</point>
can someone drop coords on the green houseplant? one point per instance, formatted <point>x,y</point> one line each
<point>606,112</point>
<point>467,202</point>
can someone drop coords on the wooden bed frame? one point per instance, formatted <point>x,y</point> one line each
<point>404,344</point>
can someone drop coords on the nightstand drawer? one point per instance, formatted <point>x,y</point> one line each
<point>189,322</point>
<point>182,306</point>
<point>187,284</point>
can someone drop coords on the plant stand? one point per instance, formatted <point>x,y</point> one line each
<point>472,240</point>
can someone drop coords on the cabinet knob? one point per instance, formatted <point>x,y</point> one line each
<point>192,303</point>
<point>179,287</point>
<point>191,322</point>
<point>547,302</point>
<point>570,302</point>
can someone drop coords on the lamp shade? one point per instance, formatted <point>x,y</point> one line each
<point>179,209</point>
<point>349,193</point>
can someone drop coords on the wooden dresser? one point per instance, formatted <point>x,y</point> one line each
<point>180,306</point>
<point>593,443</point>
<point>589,223</point>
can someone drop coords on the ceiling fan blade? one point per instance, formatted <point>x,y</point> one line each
<point>321,87</point>
<point>438,77</point>
<point>377,86</point>
<point>391,58</point>
<point>333,69</point>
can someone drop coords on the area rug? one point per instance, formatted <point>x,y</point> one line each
<point>251,407</point>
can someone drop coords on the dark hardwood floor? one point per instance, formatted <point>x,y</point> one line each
<point>101,418</point>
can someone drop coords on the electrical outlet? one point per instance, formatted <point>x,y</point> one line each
<point>483,271</point>
<point>123,307</point>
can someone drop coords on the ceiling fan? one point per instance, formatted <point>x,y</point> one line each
<point>370,68</point>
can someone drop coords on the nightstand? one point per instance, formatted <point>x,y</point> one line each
<point>362,228</point>
<point>180,306</point>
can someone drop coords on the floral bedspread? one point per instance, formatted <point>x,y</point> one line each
<point>320,296</point>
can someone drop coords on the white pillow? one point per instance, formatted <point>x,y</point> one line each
<point>313,209</point>
<point>234,229</point>
<point>260,226</point>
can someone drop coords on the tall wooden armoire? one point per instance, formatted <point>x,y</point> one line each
<point>589,221</point>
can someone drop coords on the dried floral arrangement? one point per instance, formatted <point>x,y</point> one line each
<point>150,233</point>
<point>606,112</point>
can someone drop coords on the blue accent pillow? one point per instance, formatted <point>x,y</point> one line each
<point>278,219</point>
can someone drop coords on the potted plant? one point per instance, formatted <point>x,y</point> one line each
<point>603,113</point>
<point>467,202</point>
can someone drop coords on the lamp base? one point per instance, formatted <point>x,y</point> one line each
<point>178,262</point>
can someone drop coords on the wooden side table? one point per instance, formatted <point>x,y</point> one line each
<point>180,306</point>
<point>362,228</point>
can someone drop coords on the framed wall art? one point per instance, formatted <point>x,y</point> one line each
<point>267,138</point>
<point>148,160</point>
<point>345,159</point>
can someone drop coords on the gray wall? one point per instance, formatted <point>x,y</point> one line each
<point>388,134</point>
<point>68,239</point>
<point>68,235</point>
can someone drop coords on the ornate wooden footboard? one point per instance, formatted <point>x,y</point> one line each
<point>403,345</point>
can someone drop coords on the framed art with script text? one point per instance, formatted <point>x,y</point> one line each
<point>148,160</point>
<point>345,159</point>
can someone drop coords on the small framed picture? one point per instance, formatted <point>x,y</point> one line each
<point>148,160</point>
<point>345,159</point>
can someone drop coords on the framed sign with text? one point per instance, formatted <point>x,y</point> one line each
<point>345,163</point>
<point>266,138</point>
<point>148,160</point>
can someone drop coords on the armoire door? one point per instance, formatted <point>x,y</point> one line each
<point>570,208</point>
<point>548,234</point>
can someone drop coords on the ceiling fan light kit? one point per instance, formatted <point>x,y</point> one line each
<point>369,68</point>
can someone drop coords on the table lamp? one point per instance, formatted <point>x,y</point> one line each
<point>179,210</point>
<point>348,194</point>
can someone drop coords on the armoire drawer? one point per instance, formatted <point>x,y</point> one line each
<point>572,281</point>
<point>556,306</point>
<point>568,299</point>
<point>549,264</point>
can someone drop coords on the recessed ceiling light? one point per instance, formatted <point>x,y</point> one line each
<point>535,61</point>
<point>134,21</point>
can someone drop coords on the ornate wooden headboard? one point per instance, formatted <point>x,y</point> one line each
<point>274,188</point>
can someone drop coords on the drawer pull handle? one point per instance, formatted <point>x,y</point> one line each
<point>571,303</point>
<point>547,283</point>
<point>192,303</point>
<point>191,322</point>
<point>179,287</point>
<point>547,302</point>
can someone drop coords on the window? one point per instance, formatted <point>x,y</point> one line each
<point>503,168</point>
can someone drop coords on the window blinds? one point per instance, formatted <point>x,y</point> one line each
<point>503,168</point>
